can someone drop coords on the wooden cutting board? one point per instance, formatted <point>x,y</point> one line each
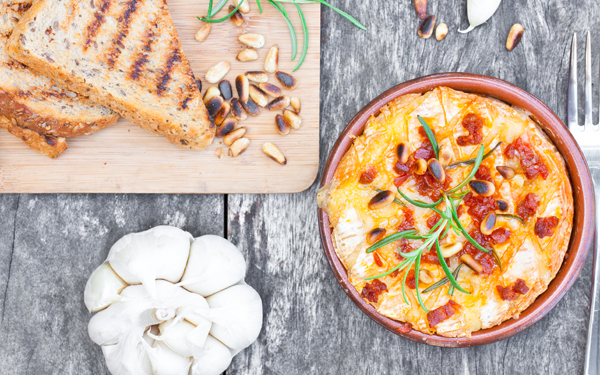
<point>127,159</point>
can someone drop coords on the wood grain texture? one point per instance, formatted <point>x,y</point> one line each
<point>311,326</point>
<point>50,245</point>
<point>127,159</point>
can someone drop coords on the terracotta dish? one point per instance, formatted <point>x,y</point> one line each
<point>514,295</point>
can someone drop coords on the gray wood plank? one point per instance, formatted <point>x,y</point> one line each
<point>58,241</point>
<point>310,325</point>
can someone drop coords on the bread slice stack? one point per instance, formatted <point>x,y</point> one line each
<point>123,54</point>
<point>35,108</point>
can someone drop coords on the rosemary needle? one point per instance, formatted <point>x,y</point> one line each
<point>224,18</point>
<point>305,33</point>
<point>259,6</point>
<point>281,10</point>
<point>434,144</point>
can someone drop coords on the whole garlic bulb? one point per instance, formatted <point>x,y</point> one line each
<point>170,305</point>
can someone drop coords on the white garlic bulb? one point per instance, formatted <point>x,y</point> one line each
<point>171,305</point>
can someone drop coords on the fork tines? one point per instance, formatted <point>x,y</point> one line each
<point>573,120</point>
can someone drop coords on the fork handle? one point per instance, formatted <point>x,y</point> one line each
<point>592,349</point>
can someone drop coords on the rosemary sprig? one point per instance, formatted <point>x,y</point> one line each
<point>472,161</point>
<point>419,203</point>
<point>305,34</point>
<point>208,20</point>
<point>478,161</point>
<point>443,281</point>
<point>389,239</point>
<point>283,12</point>
<point>342,13</point>
<point>509,216</point>
<point>434,144</point>
<point>455,274</point>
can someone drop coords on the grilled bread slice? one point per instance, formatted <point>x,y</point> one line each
<point>50,146</point>
<point>123,54</point>
<point>34,101</point>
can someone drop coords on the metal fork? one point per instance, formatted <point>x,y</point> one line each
<point>588,137</point>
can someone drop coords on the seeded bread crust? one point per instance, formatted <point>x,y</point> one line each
<point>125,55</point>
<point>34,101</point>
<point>46,145</point>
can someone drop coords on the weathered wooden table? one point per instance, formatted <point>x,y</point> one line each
<point>49,244</point>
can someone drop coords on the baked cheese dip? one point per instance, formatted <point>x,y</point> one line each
<point>451,212</point>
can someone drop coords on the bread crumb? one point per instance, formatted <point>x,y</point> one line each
<point>219,152</point>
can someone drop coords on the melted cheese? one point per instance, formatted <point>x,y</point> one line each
<point>524,256</point>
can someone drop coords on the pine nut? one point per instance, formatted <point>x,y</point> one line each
<point>203,32</point>
<point>258,77</point>
<point>226,90</point>
<point>421,8</point>
<point>226,127</point>
<point>292,118</point>
<point>245,7</point>
<point>270,89</point>
<point>223,113</point>
<point>251,107</point>
<point>259,96</point>
<point>230,138</point>
<point>238,147</point>
<point>249,54</point>
<point>238,112</point>
<point>237,17</point>
<point>381,199</point>
<point>252,40</point>
<point>278,104</point>
<point>243,88</point>
<point>214,105</point>
<point>272,60</point>
<point>282,126</point>
<point>375,235</point>
<point>273,152</point>
<point>287,80</point>
<point>450,249</point>
<point>472,263</point>
<point>514,36</point>
<point>211,93</point>
<point>217,72</point>
<point>441,31</point>
<point>425,276</point>
<point>295,102</point>
<point>426,27</point>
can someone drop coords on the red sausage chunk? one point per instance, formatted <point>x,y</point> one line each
<point>473,124</point>
<point>511,292</point>
<point>528,206</point>
<point>373,290</point>
<point>530,161</point>
<point>434,317</point>
<point>544,226</point>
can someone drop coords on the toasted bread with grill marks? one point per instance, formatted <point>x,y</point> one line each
<point>35,101</point>
<point>123,54</point>
<point>50,146</point>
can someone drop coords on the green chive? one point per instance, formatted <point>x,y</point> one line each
<point>434,144</point>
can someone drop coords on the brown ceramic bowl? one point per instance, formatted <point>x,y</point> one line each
<point>583,223</point>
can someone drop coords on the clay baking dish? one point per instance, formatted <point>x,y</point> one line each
<point>583,221</point>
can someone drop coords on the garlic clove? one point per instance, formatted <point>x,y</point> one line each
<point>158,253</point>
<point>214,264</point>
<point>174,335</point>
<point>167,362</point>
<point>129,357</point>
<point>213,359</point>
<point>236,313</point>
<point>479,11</point>
<point>102,288</point>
